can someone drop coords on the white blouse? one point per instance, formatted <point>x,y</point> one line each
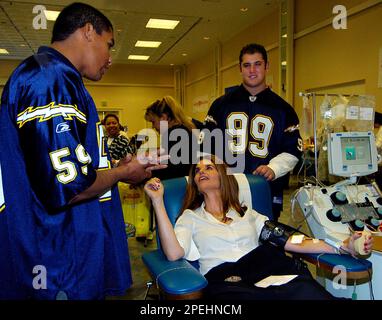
<point>205,238</point>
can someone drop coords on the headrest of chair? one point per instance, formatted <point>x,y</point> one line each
<point>254,191</point>
<point>245,196</point>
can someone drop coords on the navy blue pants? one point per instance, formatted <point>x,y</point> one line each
<point>260,263</point>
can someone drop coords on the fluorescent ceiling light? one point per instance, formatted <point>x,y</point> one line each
<point>148,44</point>
<point>51,15</point>
<point>4,51</point>
<point>162,24</point>
<point>138,57</point>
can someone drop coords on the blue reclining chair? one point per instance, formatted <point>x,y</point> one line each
<point>181,279</point>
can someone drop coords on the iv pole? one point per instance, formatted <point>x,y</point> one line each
<point>314,95</point>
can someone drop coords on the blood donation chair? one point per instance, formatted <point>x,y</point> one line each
<point>181,279</point>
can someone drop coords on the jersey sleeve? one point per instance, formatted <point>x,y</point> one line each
<point>2,201</point>
<point>211,121</point>
<point>292,142</point>
<point>53,126</point>
<point>211,125</point>
<point>282,164</point>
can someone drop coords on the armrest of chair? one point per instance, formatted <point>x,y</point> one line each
<point>174,278</point>
<point>355,268</point>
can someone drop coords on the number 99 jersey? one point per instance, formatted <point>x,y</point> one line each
<point>259,127</point>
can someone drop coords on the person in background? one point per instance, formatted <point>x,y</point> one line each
<point>180,131</point>
<point>261,126</point>
<point>61,224</point>
<point>236,246</point>
<point>117,142</point>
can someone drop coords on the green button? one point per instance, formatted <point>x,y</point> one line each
<point>374,222</point>
<point>359,224</point>
<point>336,213</point>
<point>340,196</point>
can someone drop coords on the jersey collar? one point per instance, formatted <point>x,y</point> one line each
<point>59,56</point>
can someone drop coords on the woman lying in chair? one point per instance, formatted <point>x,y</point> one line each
<point>235,245</point>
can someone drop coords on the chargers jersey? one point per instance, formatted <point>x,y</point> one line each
<point>257,128</point>
<point>51,145</point>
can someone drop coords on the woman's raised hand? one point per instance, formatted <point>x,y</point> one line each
<point>154,189</point>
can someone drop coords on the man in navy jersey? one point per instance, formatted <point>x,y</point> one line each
<point>61,224</point>
<point>261,129</point>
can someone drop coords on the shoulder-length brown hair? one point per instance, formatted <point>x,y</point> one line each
<point>169,106</point>
<point>228,186</point>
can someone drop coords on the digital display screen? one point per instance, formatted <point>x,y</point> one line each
<point>352,154</point>
<point>355,151</point>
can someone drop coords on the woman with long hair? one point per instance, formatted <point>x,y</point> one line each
<point>229,239</point>
<point>180,132</point>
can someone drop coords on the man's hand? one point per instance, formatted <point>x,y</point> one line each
<point>265,171</point>
<point>153,159</point>
<point>131,169</point>
<point>125,160</point>
<point>140,167</point>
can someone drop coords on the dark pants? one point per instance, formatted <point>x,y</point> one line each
<point>276,211</point>
<point>260,263</point>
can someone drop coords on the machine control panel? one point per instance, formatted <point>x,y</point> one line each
<point>333,212</point>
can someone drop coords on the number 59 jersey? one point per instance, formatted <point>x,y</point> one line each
<point>51,148</point>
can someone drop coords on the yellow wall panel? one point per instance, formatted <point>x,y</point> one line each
<point>200,68</point>
<point>265,32</point>
<point>311,12</point>
<point>130,101</point>
<point>330,57</point>
<point>199,97</point>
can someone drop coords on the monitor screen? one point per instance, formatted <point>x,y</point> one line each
<point>352,154</point>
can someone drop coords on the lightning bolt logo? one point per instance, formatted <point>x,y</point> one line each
<point>292,128</point>
<point>44,113</point>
